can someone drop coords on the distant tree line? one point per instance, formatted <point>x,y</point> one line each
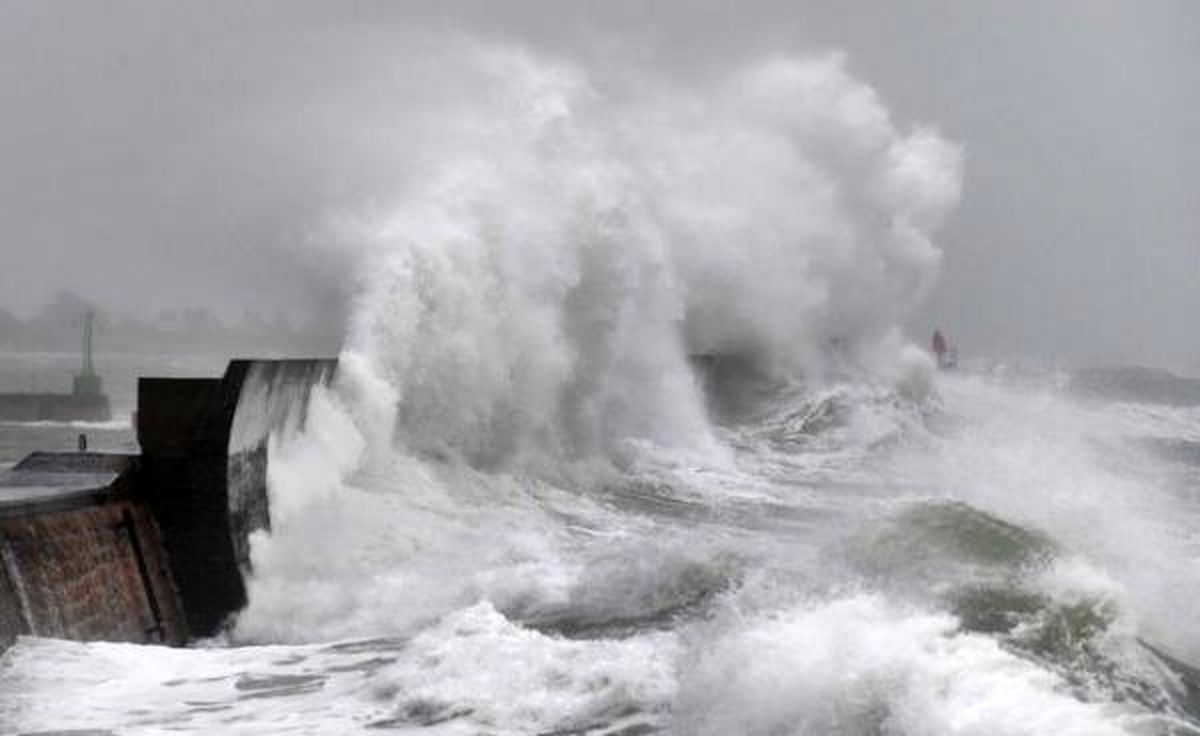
<point>57,327</point>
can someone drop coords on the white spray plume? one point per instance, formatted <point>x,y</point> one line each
<point>559,248</point>
<point>564,247</point>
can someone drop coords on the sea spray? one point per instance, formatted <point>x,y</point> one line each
<point>537,296</point>
<point>531,309</point>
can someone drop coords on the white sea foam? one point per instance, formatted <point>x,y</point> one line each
<point>854,665</point>
<point>860,665</point>
<point>1036,456</point>
<point>472,670</point>
<point>537,296</point>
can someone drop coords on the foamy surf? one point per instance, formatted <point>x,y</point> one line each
<point>517,607</point>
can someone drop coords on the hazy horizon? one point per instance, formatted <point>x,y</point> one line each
<point>168,156</point>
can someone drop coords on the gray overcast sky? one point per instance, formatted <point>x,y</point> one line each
<point>155,154</point>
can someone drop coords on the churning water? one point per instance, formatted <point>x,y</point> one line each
<point>625,441</point>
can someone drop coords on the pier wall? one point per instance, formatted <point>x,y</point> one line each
<point>152,547</point>
<point>204,471</point>
<point>80,556</point>
<point>94,573</point>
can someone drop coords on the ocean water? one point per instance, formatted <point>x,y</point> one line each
<point>999,557</point>
<point>626,439</point>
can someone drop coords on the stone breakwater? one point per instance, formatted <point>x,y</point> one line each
<point>150,547</point>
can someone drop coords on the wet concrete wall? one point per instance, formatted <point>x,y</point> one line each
<point>79,557</point>
<point>205,446</point>
<point>93,573</point>
<point>155,547</point>
<point>273,401</point>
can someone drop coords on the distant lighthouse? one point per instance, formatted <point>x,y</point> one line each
<point>86,401</point>
<point>87,381</point>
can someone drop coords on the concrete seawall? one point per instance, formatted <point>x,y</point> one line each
<point>150,547</point>
<point>81,557</point>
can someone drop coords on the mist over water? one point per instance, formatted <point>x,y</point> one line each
<point>626,439</point>
<point>541,288</point>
